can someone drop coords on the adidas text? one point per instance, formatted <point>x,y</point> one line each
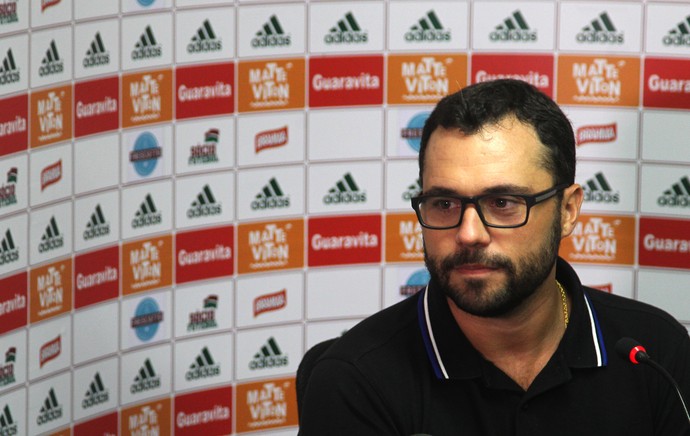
<point>7,77</point>
<point>145,385</point>
<point>204,46</point>
<point>677,40</point>
<point>9,256</point>
<point>146,220</point>
<point>345,197</point>
<point>270,40</point>
<point>603,37</point>
<point>51,68</point>
<point>95,399</point>
<point>674,201</point>
<point>202,372</point>
<point>513,35</point>
<point>270,203</point>
<point>96,231</point>
<point>96,59</point>
<point>204,210</point>
<point>49,415</point>
<point>421,35</point>
<point>602,197</point>
<point>268,362</point>
<point>146,52</point>
<point>346,37</point>
<point>51,244</point>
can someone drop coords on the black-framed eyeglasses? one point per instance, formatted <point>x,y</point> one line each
<point>503,211</point>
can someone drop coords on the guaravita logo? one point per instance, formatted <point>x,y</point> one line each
<point>678,195</point>
<point>7,370</point>
<point>52,239</point>
<point>346,31</point>
<point>269,356</point>
<point>205,204</point>
<point>7,425</point>
<point>679,35</point>
<point>146,320</point>
<point>513,28</point>
<point>8,14</point>
<point>206,317</point>
<point>412,190</point>
<point>203,366</point>
<point>97,226</point>
<point>51,63</point>
<point>51,409</point>
<point>427,29</point>
<point>8,251</point>
<point>345,191</point>
<point>270,197</point>
<point>147,214</point>
<point>146,47</point>
<point>96,55</point>
<point>598,190</point>
<point>96,394</point>
<point>9,73</point>
<point>602,30</point>
<point>204,40</point>
<point>207,151</point>
<point>271,35</point>
<point>8,193</point>
<point>146,379</point>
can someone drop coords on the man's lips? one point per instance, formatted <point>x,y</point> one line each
<point>474,268</point>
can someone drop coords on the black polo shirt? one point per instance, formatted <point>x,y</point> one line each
<point>409,369</point>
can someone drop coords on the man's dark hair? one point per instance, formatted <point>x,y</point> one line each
<point>487,103</point>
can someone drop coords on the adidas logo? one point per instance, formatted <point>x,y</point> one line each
<point>412,191</point>
<point>206,152</point>
<point>7,425</point>
<point>204,205</point>
<point>598,190</point>
<point>601,29</point>
<point>147,214</point>
<point>7,370</point>
<point>51,410</point>
<point>204,40</point>
<point>345,191</point>
<point>146,379</point>
<point>514,28</point>
<point>147,47</point>
<point>346,31</point>
<point>97,393</point>
<point>270,197</point>
<point>271,35</point>
<point>9,73</point>
<point>680,35</point>
<point>97,226</point>
<point>51,63</point>
<point>205,318</point>
<point>8,251</point>
<point>428,28</point>
<point>202,367</point>
<point>8,195</point>
<point>269,356</point>
<point>96,54</point>
<point>678,195</point>
<point>51,239</point>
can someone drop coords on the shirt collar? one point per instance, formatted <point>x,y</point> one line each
<point>452,356</point>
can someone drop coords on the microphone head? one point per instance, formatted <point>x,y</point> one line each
<point>631,350</point>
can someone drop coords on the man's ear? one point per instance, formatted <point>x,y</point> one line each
<point>573,196</point>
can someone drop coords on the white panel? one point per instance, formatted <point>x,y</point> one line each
<point>665,190</point>
<point>271,192</point>
<point>665,136</point>
<point>51,174</point>
<point>147,41</point>
<point>194,316</point>
<point>96,163</point>
<point>13,372</point>
<point>204,145</point>
<point>346,27</point>
<point>51,56</point>
<point>47,12</point>
<point>402,183</point>
<point>147,209</point>
<point>533,23</point>
<point>50,347</point>
<point>401,282</point>
<point>619,281</point>
<point>204,361</point>
<point>96,388</point>
<point>268,352</point>
<point>205,35</point>
<point>146,374</point>
<point>343,292</point>
<point>605,133</point>
<point>269,299</point>
<point>55,391</point>
<point>15,52</point>
<point>50,233</point>
<point>97,48</point>
<point>619,26</point>
<point>157,308</point>
<point>13,236</point>
<point>344,134</point>
<point>96,220</point>
<point>157,140</point>
<point>271,138</point>
<point>672,298</point>
<point>204,199</point>
<point>271,30</point>
<point>428,25</point>
<point>404,130</point>
<point>608,186</point>
<point>14,184</point>
<point>90,343</point>
<point>345,187</point>
<point>665,24</point>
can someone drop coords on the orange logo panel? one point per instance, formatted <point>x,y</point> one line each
<point>601,239</point>
<point>147,98</point>
<point>424,79</point>
<point>148,418</point>
<point>51,290</point>
<point>147,264</point>
<point>269,246</point>
<point>266,404</point>
<point>51,116</point>
<point>598,80</point>
<point>274,84</point>
<point>403,238</point>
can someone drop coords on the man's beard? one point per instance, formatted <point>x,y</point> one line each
<point>522,282</point>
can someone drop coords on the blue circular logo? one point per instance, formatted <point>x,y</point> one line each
<point>146,3</point>
<point>147,316</point>
<point>419,278</point>
<point>413,132</point>
<point>146,153</point>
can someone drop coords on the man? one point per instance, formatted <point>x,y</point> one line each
<point>505,340</point>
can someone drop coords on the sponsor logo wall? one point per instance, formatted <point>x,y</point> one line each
<point>194,192</point>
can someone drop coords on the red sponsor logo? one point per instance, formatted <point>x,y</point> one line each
<point>105,425</point>
<point>45,4</point>
<point>271,139</point>
<point>204,254</point>
<point>50,350</point>
<point>665,242</point>
<point>13,302</point>
<point>51,174</point>
<point>14,126</point>
<point>667,83</point>
<point>597,133</point>
<point>206,412</point>
<point>270,302</point>
<point>96,106</point>
<point>344,240</point>
<point>345,81</point>
<point>205,90</point>
<point>96,276</point>
<point>536,70</point>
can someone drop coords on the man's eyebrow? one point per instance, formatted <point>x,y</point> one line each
<point>507,188</point>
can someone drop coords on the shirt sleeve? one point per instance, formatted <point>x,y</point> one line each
<point>671,415</point>
<point>339,400</point>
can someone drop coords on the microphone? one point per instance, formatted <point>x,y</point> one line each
<point>631,350</point>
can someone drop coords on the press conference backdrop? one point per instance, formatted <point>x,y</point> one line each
<point>195,192</point>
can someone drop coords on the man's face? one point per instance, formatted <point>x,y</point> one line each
<point>489,271</point>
